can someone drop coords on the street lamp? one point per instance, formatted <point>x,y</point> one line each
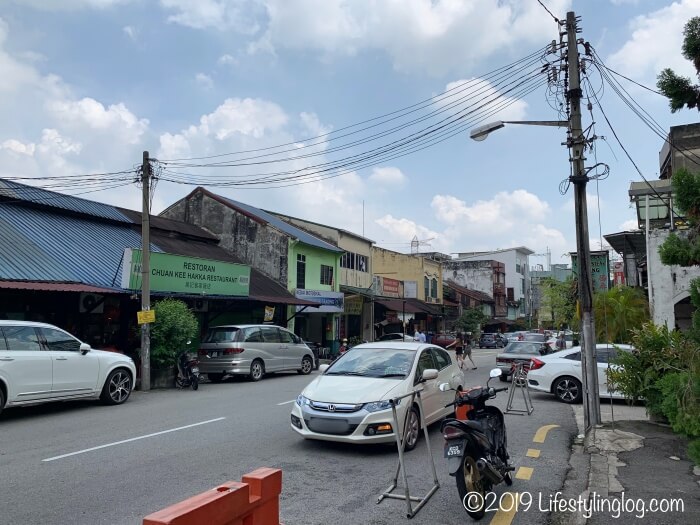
<point>481,132</point>
<point>576,143</point>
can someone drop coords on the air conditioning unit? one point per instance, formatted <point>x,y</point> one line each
<point>200,305</point>
<point>92,303</point>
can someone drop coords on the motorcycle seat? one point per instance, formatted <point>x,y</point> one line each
<point>467,424</point>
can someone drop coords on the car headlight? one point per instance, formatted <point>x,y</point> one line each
<point>376,406</point>
<point>302,401</point>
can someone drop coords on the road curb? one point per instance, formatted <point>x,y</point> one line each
<point>575,485</point>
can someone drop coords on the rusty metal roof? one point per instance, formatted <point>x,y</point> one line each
<point>56,287</point>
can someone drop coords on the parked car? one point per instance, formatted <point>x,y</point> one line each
<point>491,341</point>
<point>41,363</point>
<point>396,337</point>
<point>252,350</point>
<point>349,401</point>
<point>560,373</point>
<point>534,337</point>
<point>568,338</point>
<point>518,352</point>
<point>443,339</point>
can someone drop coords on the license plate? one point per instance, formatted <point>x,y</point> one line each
<point>453,450</point>
<point>195,370</point>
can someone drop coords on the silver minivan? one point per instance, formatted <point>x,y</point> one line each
<point>252,350</point>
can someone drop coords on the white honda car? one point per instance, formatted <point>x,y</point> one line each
<point>41,363</point>
<point>560,373</point>
<point>350,401</point>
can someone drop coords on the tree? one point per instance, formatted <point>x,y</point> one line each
<point>558,299</point>
<point>471,320</point>
<point>619,311</point>
<point>175,325</point>
<point>681,91</point>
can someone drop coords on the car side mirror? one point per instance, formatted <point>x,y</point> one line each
<point>323,368</point>
<point>429,374</point>
<point>85,348</point>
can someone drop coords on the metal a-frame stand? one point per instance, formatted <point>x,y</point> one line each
<point>401,467</point>
<point>519,381</point>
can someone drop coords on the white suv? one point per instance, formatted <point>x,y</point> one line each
<point>40,363</point>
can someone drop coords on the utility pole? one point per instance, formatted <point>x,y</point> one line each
<point>146,272</point>
<point>579,178</point>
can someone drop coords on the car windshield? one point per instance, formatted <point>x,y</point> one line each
<point>374,362</point>
<point>520,347</point>
<point>224,334</point>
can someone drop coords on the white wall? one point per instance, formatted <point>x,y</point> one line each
<point>667,284</point>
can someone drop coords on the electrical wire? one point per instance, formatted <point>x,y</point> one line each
<point>548,11</point>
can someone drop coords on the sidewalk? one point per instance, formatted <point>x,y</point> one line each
<point>625,467</point>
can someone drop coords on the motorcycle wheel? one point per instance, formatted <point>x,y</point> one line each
<point>194,382</point>
<point>472,488</point>
<point>508,478</point>
<point>178,382</point>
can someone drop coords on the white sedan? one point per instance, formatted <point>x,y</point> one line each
<point>350,401</point>
<point>560,373</point>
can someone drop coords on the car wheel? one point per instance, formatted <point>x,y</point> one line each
<point>256,370</point>
<point>306,366</point>
<point>117,388</point>
<point>503,377</point>
<point>2,400</point>
<point>215,378</point>
<point>413,432</point>
<point>568,390</point>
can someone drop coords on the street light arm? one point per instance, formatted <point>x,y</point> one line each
<point>481,132</point>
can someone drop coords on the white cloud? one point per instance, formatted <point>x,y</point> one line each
<point>504,107</point>
<point>403,230</point>
<point>629,225</point>
<point>227,60</point>
<point>130,31</point>
<point>219,14</point>
<point>204,81</point>
<point>67,5</point>
<point>656,42</point>
<point>18,147</point>
<point>388,176</point>
<point>418,35</point>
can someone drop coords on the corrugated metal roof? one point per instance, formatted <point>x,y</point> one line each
<point>56,287</point>
<point>22,192</point>
<point>41,245</point>
<point>289,229</point>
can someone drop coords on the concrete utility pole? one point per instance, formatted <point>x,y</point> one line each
<point>579,178</point>
<point>146,272</point>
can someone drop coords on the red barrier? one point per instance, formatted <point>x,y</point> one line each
<point>254,501</point>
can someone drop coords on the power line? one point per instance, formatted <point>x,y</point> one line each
<point>550,13</point>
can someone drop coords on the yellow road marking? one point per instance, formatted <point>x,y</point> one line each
<point>533,453</point>
<point>541,434</point>
<point>502,516</point>
<point>524,473</point>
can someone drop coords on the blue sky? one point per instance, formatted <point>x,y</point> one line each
<point>87,85</point>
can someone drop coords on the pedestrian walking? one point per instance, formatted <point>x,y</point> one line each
<point>468,349</point>
<point>458,343</point>
<point>561,341</point>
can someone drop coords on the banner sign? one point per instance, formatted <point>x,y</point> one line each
<point>391,287</point>
<point>178,273</point>
<point>353,305</point>
<point>269,313</point>
<point>600,269</point>
<point>410,289</point>
<point>332,302</point>
<point>146,316</point>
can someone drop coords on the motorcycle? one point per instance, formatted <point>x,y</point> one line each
<point>187,371</point>
<point>476,446</point>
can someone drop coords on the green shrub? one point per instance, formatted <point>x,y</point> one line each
<point>175,325</point>
<point>694,451</point>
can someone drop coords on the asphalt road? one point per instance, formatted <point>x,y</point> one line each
<point>241,426</point>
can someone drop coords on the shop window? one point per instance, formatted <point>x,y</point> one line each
<point>362,263</point>
<point>301,271</point>
<point>326,274</point>
<point>433,288</point>
<point>426,286</point>
<point>59,341</point>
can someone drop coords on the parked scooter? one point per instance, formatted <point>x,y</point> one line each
<point>187,371</point>
<point>476,446</point>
